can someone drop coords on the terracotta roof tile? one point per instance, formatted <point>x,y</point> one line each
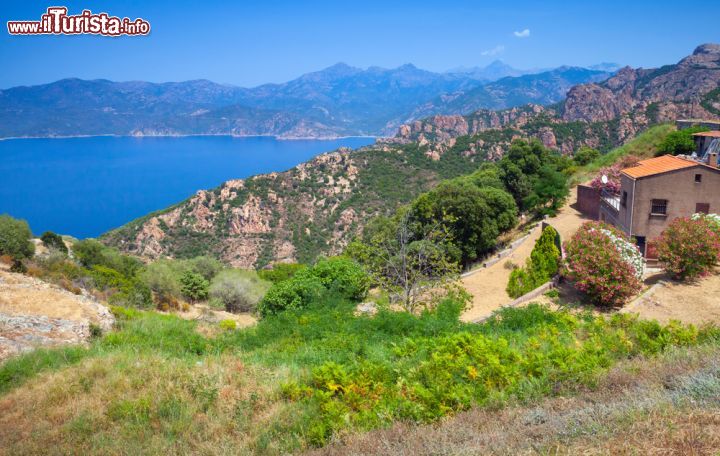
<point>658,165</point>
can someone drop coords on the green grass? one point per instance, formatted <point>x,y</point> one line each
<point>16,371</point>
<point>643,146</point>
<point>159,383</point>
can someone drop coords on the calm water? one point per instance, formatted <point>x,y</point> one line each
<point>86,186</point>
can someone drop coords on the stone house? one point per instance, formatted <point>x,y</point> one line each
<point>658,190</point>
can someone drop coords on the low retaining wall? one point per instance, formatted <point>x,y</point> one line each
<point>499,256</point>
<point>522,299</point>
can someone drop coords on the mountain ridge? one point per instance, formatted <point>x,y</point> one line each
<point>340,100</point>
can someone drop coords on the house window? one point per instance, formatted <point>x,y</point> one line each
<point>623,201</point>
<point>702,208</point>
<point>698,178</point>
<point>659,207</point>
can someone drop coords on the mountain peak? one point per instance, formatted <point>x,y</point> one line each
<point>407,67</point>
<point>707,48</point>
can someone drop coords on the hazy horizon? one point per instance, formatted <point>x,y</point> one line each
<point>250,45</point>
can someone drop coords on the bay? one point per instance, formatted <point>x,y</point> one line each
<point>86,186</point>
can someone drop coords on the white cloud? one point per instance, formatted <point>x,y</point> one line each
<point>522,34</point>
<point>499,49</point>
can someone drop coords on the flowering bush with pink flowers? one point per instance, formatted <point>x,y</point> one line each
<point>713,221</point>
<point>613,184</point>
<point>602,263</point>
<point>689,247</point>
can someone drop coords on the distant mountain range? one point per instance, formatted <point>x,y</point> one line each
<point>337,101</point>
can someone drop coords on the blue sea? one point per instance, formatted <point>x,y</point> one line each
<point>86,186</point>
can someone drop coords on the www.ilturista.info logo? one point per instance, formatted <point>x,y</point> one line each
<point>57,22</point>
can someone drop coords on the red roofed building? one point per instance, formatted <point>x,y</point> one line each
<point>658,190</point>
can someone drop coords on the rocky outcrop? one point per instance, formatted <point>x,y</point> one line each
<point>35,314</point>
<point>438,129</point>
<point>668,92</point>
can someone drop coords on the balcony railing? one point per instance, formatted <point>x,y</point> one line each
<point>611,199</point>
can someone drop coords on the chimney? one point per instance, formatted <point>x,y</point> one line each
<point>713,159</point>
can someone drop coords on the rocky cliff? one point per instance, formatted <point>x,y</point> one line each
<point>662,94</point>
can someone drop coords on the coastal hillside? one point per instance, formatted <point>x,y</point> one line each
<point>319,206</point>
<point>338,101</point>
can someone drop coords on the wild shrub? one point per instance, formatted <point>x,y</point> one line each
<point>689,247</point>
<point>90,252</point>
<point>206,266</point>
<point>237,291</point>
<point>194,286</point>
<point>336,275</point>
<point>519,353</point>
<point>281,271</point>
<point>342,275</point>
<point>602,263</point>
<point>228,325</point>
<point>679,142</point>
<point>163,278</point>
<point>542,265</point>
<point>585,155</point>
<point>54,241</point>
<point>119,289</point>
<point>293,294</point>
<point>15,238</point>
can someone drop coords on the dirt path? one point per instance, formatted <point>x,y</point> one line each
<point>487,285</point>
<point>697,302</point>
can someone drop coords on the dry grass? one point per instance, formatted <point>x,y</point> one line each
<point>129,404</point>
<point>665,406</point>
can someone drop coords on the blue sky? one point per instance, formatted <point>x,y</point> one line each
<point>247,44</point>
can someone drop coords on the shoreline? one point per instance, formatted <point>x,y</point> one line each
<point>278,138</point>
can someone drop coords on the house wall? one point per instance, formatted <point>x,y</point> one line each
<point>681,191</point>
<point>627,210</point>
<point>588,201</point>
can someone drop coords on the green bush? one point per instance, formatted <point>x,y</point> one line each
<point>122,290</point>
<point>206,266</point>
<point>293,294</point>
<point>228,325</point>
<point>237,291</point>
<point>585,155</point>
<point>679,142</point>
<point>340,276</point>
<point>163,278</point>
<point>15,238</point>
<point>90,252</point>
<point>194,286</point>
<point>542,265</point>
<point>281,271</point>
<point>54,241</point>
